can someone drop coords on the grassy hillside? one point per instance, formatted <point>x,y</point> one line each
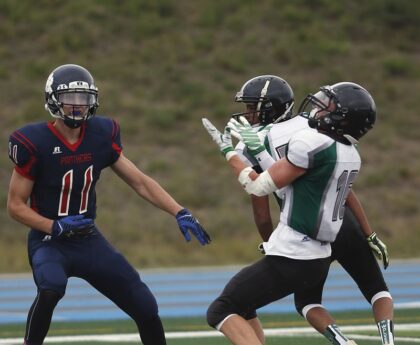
<point>160,65</point>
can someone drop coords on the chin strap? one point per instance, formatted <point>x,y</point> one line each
<point>351,139</point>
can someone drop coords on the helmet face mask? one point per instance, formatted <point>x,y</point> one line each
<point>270,97</point>
<point>71,95</point>
<point>344,110</point>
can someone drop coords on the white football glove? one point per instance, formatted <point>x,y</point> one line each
<point>252,137</point>
<point>224,141</point>
<point>379,249</point>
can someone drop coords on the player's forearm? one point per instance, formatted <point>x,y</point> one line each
<point>156,195</point>
<point>237,166</point>
<point>27,216</point>
<point>354,204</point>
<point>262,216</point>
<point>265,229</point>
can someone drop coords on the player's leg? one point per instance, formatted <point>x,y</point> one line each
<point>257,327</point>
<point>113,276</point>
<point>365,271</point>
<point>308,304</point>
<point>254,322</point>
<point>383,311</point>
<point>48,266</point>
<point>239,331</point>
<point>239,298</point>
<point>255,286</point>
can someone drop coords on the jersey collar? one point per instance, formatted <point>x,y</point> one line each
<point>71,147</point>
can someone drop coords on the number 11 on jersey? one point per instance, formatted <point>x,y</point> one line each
<point>66,189</point>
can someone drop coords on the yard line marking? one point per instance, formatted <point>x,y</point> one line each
<point>288,332</point>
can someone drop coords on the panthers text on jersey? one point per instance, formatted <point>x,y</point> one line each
<point>65,174</point>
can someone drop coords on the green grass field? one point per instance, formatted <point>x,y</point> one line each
<point>121,327</point>
<point>161,65</point>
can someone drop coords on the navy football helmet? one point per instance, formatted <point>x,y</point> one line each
<point>344,110</point>
<point>272,96</point>
<point>71,95</point>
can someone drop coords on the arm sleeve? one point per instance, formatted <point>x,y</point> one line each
<point>23,154</point>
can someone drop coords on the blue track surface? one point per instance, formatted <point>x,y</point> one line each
<point>188,292</point>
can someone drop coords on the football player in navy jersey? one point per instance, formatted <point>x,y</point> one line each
<point>227,313</point>
<point>57,166</point>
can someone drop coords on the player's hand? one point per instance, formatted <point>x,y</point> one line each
<point>71,225</point>
<point>252,137</point>
<point>188,223</point>
<point>379,249</point>
<point>224,141</point>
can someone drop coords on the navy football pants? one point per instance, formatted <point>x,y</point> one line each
<point>96,261</point>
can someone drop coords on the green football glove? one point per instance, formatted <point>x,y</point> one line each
<point>252,137</point>
<point>224,141</point>
<point>379,249</point>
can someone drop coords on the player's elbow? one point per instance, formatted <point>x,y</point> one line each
<point>13,208</point>
<point>263,185</point>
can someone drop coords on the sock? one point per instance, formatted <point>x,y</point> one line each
<point>386,331</point>
<point>334,335</point>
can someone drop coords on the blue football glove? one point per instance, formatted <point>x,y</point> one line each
<point>379,249</point>
<point>72,225</point>
<point>188,223</point>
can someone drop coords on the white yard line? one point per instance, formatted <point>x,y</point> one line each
<point>284,332</point>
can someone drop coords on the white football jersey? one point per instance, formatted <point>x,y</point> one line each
<point>314,203</point>
<point>280,134</point>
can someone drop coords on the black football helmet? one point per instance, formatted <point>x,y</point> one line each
<point>344,110</point>
<point>71,86</point>
<point>272,96</point>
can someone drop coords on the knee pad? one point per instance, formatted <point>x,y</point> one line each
<point>308,307</point>
<point>299,308</point>
<point>219,310</point>
<point>311,299</point>
<point>381,294</point>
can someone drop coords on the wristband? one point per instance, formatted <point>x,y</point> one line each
<point>264,159</point>
<point>230,154</point>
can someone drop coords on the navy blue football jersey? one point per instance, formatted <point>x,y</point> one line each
<point>65,174</point>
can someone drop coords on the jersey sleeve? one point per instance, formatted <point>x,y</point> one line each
<point>297,153</point>
<point>116,142</point>
<point>23,154</point>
